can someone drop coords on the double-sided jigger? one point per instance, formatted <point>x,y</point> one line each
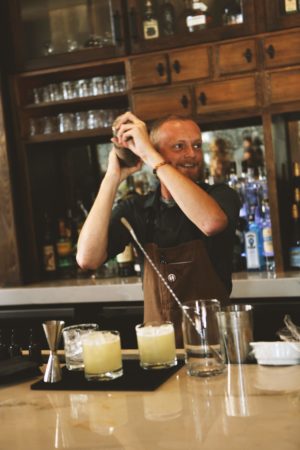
<point>53,330</point>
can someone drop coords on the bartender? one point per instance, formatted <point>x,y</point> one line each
<point>186,225</point>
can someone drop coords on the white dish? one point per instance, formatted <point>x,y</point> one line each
<point>278,353</point>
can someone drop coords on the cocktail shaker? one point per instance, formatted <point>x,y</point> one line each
<point>126,157</point>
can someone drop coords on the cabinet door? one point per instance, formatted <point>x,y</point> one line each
<point>278,18</point>
<point>282,49</point>
<point>236,57</point>
<point>154,104</point>
<point>174,28</point>
<point>53,33</point>
<point>149,71</point>
<point>239,93</point>
<point>284,86</point>
<point>190,64</point>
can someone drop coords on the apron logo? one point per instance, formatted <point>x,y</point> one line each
<point>171,277</point>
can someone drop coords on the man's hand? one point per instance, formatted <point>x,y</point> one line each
<point>117,172</point>
<point>132,133</point>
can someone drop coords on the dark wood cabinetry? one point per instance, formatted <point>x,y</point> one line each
<point>217,75</point>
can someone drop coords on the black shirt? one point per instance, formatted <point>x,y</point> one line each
<point>167,226</point>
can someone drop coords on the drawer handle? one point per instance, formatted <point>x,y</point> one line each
<point>271,51</point>
<point>202,98</point>
<point>160,68</point>
<point>248,55</point>
<point>177,66</point>
<point>184,101</point>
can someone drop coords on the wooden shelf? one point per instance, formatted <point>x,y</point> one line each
<point>68,136</point>
<point>115,97</point>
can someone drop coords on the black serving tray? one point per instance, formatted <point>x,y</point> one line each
<point>134,379</point>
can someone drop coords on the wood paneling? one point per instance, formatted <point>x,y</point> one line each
<point>190,64</point>
<point>149,71</point>
<point>239,93</point>
<point>9,258</point>
<point>284,86</point>
<point>282,49</point>
<point>153,104</point>
<point>236,57</point>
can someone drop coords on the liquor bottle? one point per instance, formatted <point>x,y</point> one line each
<point>268,249</point>
<point>48,248</point>
<point>167,18</point>
<point>150,22</point>
<point>34,349</point>
<point>232,13</point>
<point>290,6</point>
<point>296,175</point>
<point>294,251</point>
<point>4,350</point>
<point>125,262</point>
<point>64,249</point>
<point>197,17</point>
<point>253,244</point>
<point>14,347</point>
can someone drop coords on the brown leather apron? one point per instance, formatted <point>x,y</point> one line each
<point>189,272</point>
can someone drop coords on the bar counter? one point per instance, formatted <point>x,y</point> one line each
<point>247,407</point>
<point>245,285</point>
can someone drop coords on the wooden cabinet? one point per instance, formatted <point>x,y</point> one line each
<point>215,28</point>
<point>229,95</point>
<point>47,34</point>
<point>282,49</point>
<point>236,57</point>
<point>74,102</point>
<point>153,104</point>
<point>164,68</point>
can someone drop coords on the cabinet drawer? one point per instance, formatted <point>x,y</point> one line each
<point>284,86</point>
<point>154,104</point>
<point>236,57</point>
<point>189,64</point>
<point>239,93</point>
<point>149,71</point>
<point>282,50</point>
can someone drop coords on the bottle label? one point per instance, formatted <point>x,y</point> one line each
<point>151,29</point>
<point>49,258</point>
<point>268,241</point>
<point>290,5</point>
<point>295,256</point>
<point>64,248</point>
<point>252,254</point>
<point>193,21</point>
<point>126,255</point>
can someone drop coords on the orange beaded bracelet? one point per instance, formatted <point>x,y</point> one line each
<point>162,163</point>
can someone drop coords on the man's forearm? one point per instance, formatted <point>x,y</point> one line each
<point>196,204</point>
<point>93,239</point>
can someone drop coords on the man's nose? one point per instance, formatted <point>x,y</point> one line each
<point>189,150</point>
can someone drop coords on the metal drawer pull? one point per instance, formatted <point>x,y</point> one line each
<point>160,69</point>
<point>177,66</point>
<point>202,98</point>
<point>271,51</point>
<point>184,101</point>
<point>248,55</point>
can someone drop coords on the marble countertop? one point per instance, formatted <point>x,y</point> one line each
<point>248,407</point>
<point>245,285</point>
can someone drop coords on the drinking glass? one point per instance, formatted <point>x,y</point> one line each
<point>102,355</point>
<point>202,340</point>
<point>156,344</point>
<point>72,336</point>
